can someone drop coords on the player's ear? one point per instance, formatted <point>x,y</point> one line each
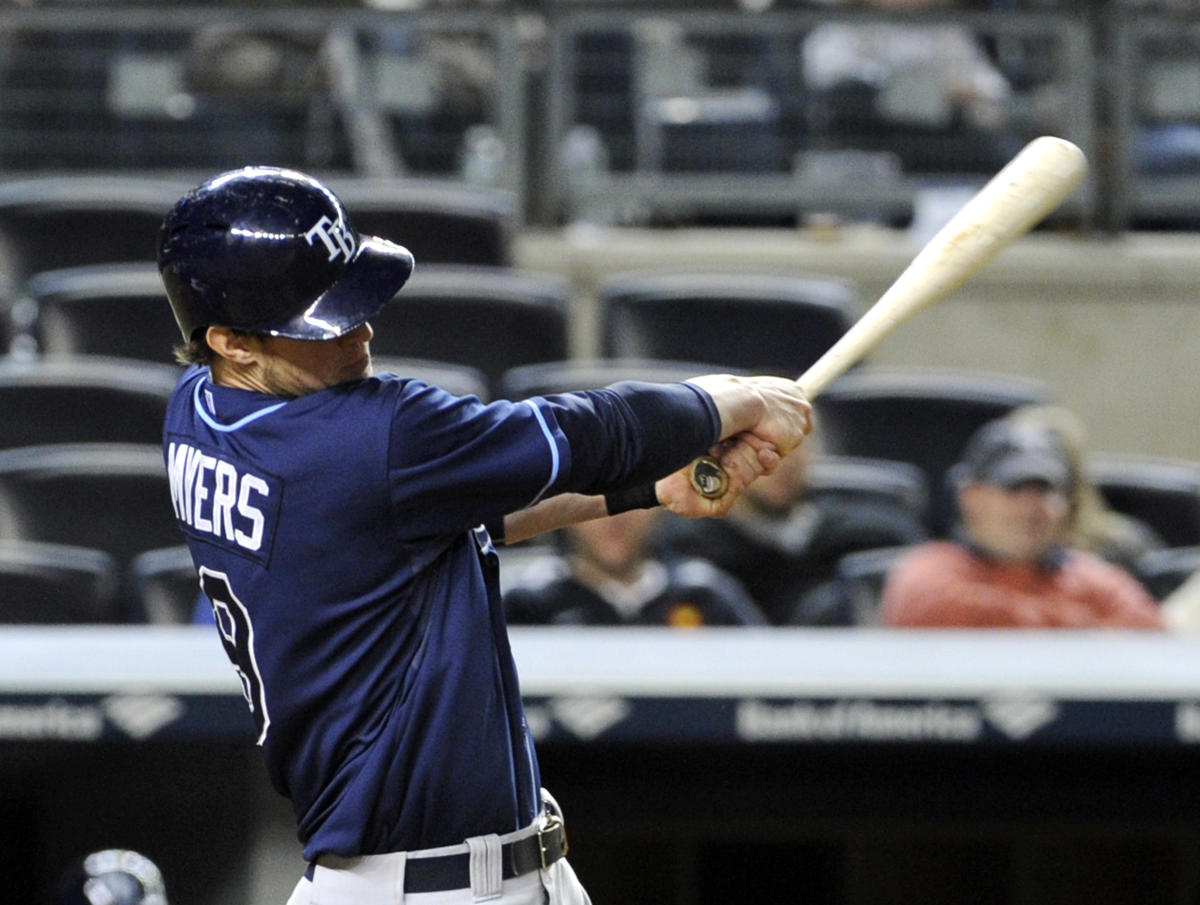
<point>234,345</point>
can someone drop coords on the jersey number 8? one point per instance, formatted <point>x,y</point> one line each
<point>237,636</point>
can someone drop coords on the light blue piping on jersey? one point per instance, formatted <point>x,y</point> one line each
<point>554,462</point>
<point>226,428</point>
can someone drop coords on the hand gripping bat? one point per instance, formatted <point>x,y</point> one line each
<point>1011,203</point>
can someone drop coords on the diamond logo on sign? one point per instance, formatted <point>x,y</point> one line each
<point>589,717</point>
<point>1020,717</point>
<point>142,715</point>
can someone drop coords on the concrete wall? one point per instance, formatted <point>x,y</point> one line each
<point>1112,324</point>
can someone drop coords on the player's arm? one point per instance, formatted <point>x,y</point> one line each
<point>755,418</point>
<point>630,434</point>
<point>744,458</point>
<point>772,410</point>
<point>455,461</point>
<point>552,514</point>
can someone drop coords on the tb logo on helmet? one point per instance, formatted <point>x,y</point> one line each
<point>337,240</point>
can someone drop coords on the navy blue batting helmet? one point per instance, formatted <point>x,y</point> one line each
<point>115,876</point>
<point>272,251</point>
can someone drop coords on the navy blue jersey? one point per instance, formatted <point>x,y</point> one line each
<point>340,539</point>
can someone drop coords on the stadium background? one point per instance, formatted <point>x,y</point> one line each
<point>624,138</point>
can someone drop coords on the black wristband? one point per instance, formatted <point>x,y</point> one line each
<point>642,496</point>
<point>495,529</point>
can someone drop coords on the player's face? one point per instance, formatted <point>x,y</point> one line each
<point>294,367</point>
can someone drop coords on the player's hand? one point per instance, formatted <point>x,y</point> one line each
<point>774,409</point>
<point>786,415</point>
<point>744,458</point>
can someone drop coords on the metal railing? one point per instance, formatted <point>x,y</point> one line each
<point>1154,91</point>
<point>695,114</point>
<point>616,114</point>
<point>432,94</point>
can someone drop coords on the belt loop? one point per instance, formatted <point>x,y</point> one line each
<point>487,867</point>
<point>398,894</point>
<point>550,805</point>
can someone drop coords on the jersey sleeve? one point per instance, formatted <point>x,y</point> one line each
<point>631,432</point>
<point>455,462</point>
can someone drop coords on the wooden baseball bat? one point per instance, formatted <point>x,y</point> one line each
<point>1012,202</point>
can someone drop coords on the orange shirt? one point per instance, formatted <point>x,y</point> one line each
<point>943,584</point>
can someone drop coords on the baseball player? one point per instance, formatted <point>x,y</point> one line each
<point>342,525</point>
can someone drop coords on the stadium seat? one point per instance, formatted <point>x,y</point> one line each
<point>113,497</point>
<point>862,575</point>
<point>900,483</point>
<point>896,495</point>
<point>90,400</point>
<point>1163,571</point>
<point>51,584</point>
<point>590,373</point>
<point>67,220</point>
<point>460,380</point>
<point>488,318</point>
<point>118,309</point>
<point>852,596</point>
<point>761,322</point>
<point>439,222</point>
<point>1163,493</point>
<point>923,416</point>
<point>8,323</point>
<point>165,585</point>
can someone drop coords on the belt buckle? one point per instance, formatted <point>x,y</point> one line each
<point>551,823</point>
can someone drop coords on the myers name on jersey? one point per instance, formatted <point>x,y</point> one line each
<point>221,502</point>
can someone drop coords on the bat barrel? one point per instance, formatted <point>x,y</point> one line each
<point>1026,189</point>
<point>1014,200</point>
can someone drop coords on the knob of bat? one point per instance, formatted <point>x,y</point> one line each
<point>709,478</point>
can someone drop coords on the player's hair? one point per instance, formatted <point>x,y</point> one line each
<point>197,351</point>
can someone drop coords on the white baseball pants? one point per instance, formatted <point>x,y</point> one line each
<point>379,879</point>
<point>381,882</point>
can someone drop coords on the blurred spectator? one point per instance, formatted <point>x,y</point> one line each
<point>277,66</point>
<point>112,877</point>
<point>783,543</point>
<point>921,78</point>
<point>922,73</point>
<point>1011,563</point>
<point>1095,526</point>
<point>608,575</point>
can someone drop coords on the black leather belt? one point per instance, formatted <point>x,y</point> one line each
<point>445,872</point>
